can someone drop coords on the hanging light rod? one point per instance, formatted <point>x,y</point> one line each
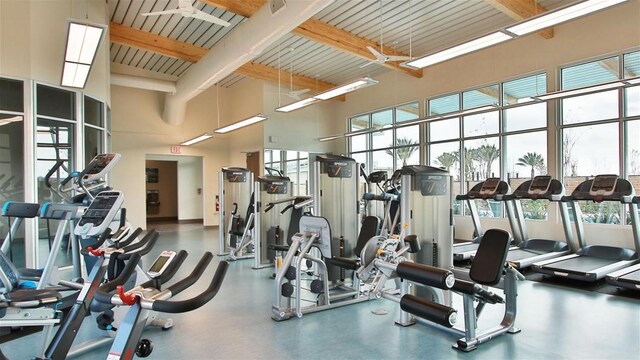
<point>197,139</point>
<point>329,94</point>
<point>547,19</point>
<point>331,137</point>
<point>242,123</point>
<point>588,89</point>
<point>10,120</point>
<point>83,41</point>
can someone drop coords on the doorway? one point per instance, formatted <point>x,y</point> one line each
<point>253,163</point>
<point>174,186</point>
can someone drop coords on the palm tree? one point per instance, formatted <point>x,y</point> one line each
<point>534,160</point>
<point>447,160</point>
<point>404,149</point>
<point>469,167</point>
<point>486,154</point>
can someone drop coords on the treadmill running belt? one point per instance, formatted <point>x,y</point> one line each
<point>581,264</point>
<point>519,254</point>
<point>632,277</point>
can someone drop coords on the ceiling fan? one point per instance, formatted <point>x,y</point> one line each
<point>295,94</point>
<point>382,58</point>
<point>186,9</point>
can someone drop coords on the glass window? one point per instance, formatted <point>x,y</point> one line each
<point>291,155</point>
<point>407,112</point>
<point>382,160</point>
<point>525,117</point>
<point>55,142</point>
<point>444,104</point>
<point>108,119</point>
<point>632,101</point>
<point>93,113</point>
<point>594,72</point>
<point>275,155</point>
<point>446,155</point>
<point>444,129</point>
<point>267,156</point>
<point>592,107</point>
<point>360,123</point>
<point>408,155</point>
<point>93,143</point>
<point>11,95</point>
<point>489,95</point>
<point>521,90</point>
<point>408,135</point>
<point>482,159</point>
<point>633,153</point>
<point>481,124</point>
<point>632,64</point>
<point>56,102</point>
<point>526,156</point>
<point>359,142</point>
<point>579,158</point>
<point>11,158</point>
<point>382,119</point>
<point>382,139</point>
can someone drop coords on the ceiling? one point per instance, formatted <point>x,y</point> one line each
<point>410,27</point>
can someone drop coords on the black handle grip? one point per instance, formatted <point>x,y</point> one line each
<point>235,209</point>
<point>193,277</point>
<point>173,267</point>
<point>103,237</point>
<point>146,243</point>
<point>103,293</point>
<point>198,301</point>
<point>286,208</point>
<point>130,238</point>
<point>123,217</point>
<point>52,171</point>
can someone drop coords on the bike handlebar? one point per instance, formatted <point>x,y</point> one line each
<point>146,243</point>
<point>197,301</point>
<point>93,248</point>
<point>130,238</point>
<point>178,287</point>
<point>103,293</point>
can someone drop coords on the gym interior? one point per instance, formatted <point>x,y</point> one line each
<point>385,179</point>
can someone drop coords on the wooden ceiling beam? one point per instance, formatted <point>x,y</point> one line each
<point>520,10</point>
<point>345,41</point>
<point>245,8</point>
<point>156,43</point>
<point>177,49</point>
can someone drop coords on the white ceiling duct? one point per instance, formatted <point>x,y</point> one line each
<point>239,47</point>
<point>143,83</point>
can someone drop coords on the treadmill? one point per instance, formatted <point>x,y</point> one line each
<point>593,262</point>
<point>629,278</point>
<point>529,251</point>
<point>490,189</point>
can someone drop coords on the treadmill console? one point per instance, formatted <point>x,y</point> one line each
<point>100,166</point>
<point>490,186</point>
<point>97,218</point>
<point>539,185</point>
<point>603,185</point>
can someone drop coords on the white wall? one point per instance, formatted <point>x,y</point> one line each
<point>138,131</point>
<point>610,31</point>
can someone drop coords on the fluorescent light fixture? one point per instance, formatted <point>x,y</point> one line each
<point>10,120</point>
<point>358,132</point>
<point>462,49</point>
<point>580,91</point>
<point>559,16</point>
<point>297,105</point>
<point>346,88</point>
<point>241,123</point>
<point>633,81</point>
<point>83,41</point>
<point>197,139</point>
<point>329,138</point>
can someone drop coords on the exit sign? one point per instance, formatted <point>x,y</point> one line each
<point>175,149</point>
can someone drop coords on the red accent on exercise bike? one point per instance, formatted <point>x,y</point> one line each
<point>95,252</point>
<point>126,299</point>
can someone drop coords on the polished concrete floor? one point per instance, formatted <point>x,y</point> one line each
<point>556,323</point>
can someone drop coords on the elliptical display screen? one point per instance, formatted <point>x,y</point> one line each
<point>337,169</point>
<point>603,185</point>
<point>490,186</point>
<point>275,187</point>
<point>100,165</point>
<point>540,185</point>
